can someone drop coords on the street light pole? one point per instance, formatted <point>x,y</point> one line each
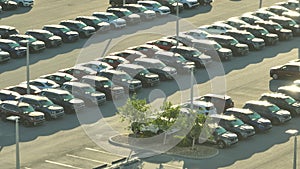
<point>27,67</point>
<point>17,145</point>
<point>177,18</point>
<point>192,89</point>
<point>294,133</point>
<point>260,3</point>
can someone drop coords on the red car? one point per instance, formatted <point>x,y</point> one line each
<point>165,44</point>
<point>113,61</point>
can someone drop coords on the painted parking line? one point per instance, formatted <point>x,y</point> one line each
<point>104,152</point>
<point>62,164</point>
<point>27,168</point>
<point>87,159</point>
<point>172,166</point>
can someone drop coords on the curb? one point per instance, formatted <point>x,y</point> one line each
<point>111,141</point>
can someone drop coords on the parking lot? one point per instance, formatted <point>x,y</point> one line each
<point>64,144</point>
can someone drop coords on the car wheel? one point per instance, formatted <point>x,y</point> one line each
<point>21,4</point>
<point>3,117</point>
<point>275,76</point>
<point>221,144</point>
<point>112,27</point>
<point>47,116</point>
<point>185,6</point>
<point>113,4</point>
<point>26,123</point>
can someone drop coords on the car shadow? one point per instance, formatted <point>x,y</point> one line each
<point>19,10</point>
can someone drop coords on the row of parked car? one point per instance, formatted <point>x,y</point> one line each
<point>6,5</point>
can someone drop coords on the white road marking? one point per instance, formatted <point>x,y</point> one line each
<point>168,165</point>
<point>87,159</point>
<point>104,152</point>
<point>61,164</point>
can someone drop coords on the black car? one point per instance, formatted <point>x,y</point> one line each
<point>260,32</point>
<point>263,14</point>
<point>238,49</point>
<point>234,125</point>
<point>34,44</point>
<point>49,38</point>
<point>287,23</point>
<point>44,105</point>
<point>13,48</point>
<point>80,27</point>
<point>158,67</point>
<point>139,72</point>
<point>283,101</point>
<point>288,70</point>
<point>104,85</point>
<point>193,55</point>
<point>64,32</point>
<point>97,23</point>
<point>22,89</point>
<point>175,60</point>
<point>249,18</point>
<point>250,117</point>
<point>5,31</point>
<point>59,77</point>
<point>28,116</point>
<point>8,5</point>
<point>269,111</point>
<point>64,99</point>
<point>8,95</point>
<point>273,27</point>
<point>85,92</point>
<point>282,11</point>
<point>247,38</point>
<point>122,79</point>
<point>126,14</point>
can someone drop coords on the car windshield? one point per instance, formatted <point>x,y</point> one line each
<point>27,109</point>
<point>127,12</point>
<point>217,46</point>
<point>254,116</point>
<point>249,36</point>
<point>14,45</point>
<point>96,21</point>
<point>236,122</point>
<point>81,25</point>
<point>274,109</point>
<point>156,5</point>
<point>233,42</point>
<point>143,9</point>
<point>112,17</point>
<point>47,35</point>
<point>46,103</point>
<point>292,23</point>
<point>180,58</point>
<point>159,65</point>
<point>88,90</point>
<point>107,83</point>
<point>65,29</point>
<point>220,130</point>
<point>67,97</point>
<point>195,53</point>
<point>263,31</point>
<point>277,27</point>
<point>290,100</point>
<point>171,1</point>
<point>125,77</point>
<point>144,72</point>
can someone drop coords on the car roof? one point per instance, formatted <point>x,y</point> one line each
<point>292,64</point>
<point>95,78</point>
<point>38,31</point>
<point>17,103</point>
<point>240,110</point>
<point>290,88</point>
<point>275,95</point>
<point>130,65</point>
<point>221,116</point>
<point>118,9</point>
<point>166,53</point>
<point>148,2</point>
<point>7,41</point>
<point>113,71</point>
<point>115,57</point>
<point>239,32</point>
<point>57,91</point>
<point>283,18</point>
<point>7,27</point>
<point>55,26</point>
<point>220,96</point>
<point>78,84</point>
<point>184,47</point>
<point>259,102</point>
<point>220,36</point>
<point>9,92</point>
<point>20,35</point>
<point>34,97</point>
<point>148,60</point>
<point>103,13</point>
<point>61,74</point>
<point>87,17</point>
<point>70,21</point>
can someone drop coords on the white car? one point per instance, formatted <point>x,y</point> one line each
<point>202,107</point>
<point>43,83</point>
<point>189,3</point>
<point>97,65</point>
<point>156,6</point>
<point>197,34</point>
<point>216,28</point>
<point>111,18</point>
<point>24,2</point>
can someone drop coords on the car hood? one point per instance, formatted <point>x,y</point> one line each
<point>291,14</point>
<point>149,12</point>
<point>257,40</point>
<point>272,35</point>
<point>285,31</point>
<point>169,69</point>
<point>204,57</point>
<point>55,107</point>
<point>240,45</point>
<point>151,75</point>
<point>175,4</point>
<point>55,38</point>
<point>164,8</point>
<point>224,50</point>
<point>283,112</point>
<point>134,81</point>
<point>229,135</point>
<point>89,28</point>
<point>246,127</point>
<point>73,33</point>
<point>21,48</point>
<point>76,101</point>
<point>134,16</point>
<point>36,113</point>
<point>97,94</point>
<point>296,104</point>
<point>263,121</point>
<point>103,24</point>
<point>38,42</point>
<point>120,21</point>
<point>3,53</point>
